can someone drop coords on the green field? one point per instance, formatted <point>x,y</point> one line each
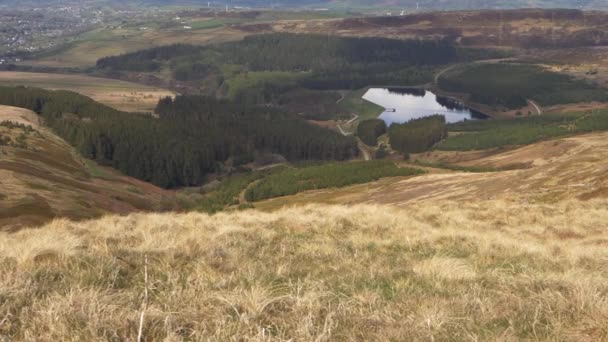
<point>353,102</point>
<point>85,49</point>
<point>254,81</point>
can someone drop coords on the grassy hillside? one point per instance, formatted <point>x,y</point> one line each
<point>543,172</point>
<point>442,271</point>
<point>88,47</point>
<point>120,95</point>
<point>533,28</point>
<point>41,177</point>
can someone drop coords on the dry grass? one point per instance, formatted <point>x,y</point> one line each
<point>20,116</point>
<point>435,272</point>
<point>121,95</point>
<point>474,28</point>
<point>46,178</point>
<point>545,172</point>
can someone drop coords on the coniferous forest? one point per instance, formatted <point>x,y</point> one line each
<point>369,131</point>
<point>511,85</point>
<point>418,135</point>
<point>312,61</point>
<point>291,52</point>
<point>192,136</point>
<point>267,85</point>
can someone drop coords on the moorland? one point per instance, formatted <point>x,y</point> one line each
<point>220,175</point>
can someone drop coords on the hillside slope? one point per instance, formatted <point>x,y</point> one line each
<point>440,271</point>
<point>545,172</point>
<point>121,95</point>
<point>409,4</point>
<point>42,177</point>
<point>525,28</point>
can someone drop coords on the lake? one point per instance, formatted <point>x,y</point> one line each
<point>404,104</point>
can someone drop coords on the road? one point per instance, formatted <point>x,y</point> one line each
<point>538,110</point>
<point>344,133</point>
<point>483,61</point>
<point>354,118</point>
<point>443,71</point>
<point>342,97</point>
<point>363,150</point>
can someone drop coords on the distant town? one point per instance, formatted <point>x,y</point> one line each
<point>24,32</point>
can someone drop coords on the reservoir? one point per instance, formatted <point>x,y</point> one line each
<point>404,104</point>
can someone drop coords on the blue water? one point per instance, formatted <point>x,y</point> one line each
<point>411,104</point>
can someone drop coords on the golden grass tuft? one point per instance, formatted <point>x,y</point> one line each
<point>480,271</point>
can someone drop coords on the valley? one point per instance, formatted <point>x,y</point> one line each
<point>333,89</point>
<point>546,172</point>
<point>361,172</point>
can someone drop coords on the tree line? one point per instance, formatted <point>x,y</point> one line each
<point>193,136</point>
<point>306,52</point>
<point>323,62</point>
<point>369,131</point>
<point>418,135</point>
<point>289,181</point>
<point>485,134</point>
<point>511,85</point>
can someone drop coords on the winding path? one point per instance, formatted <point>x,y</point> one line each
<point>360,144</point>
<point>364,151</point>
<point>483,61</point>
<point>537,107</point>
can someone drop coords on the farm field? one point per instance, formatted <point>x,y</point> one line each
<point>118,94</point>
<point>83,50</point>
<point>86,49</point>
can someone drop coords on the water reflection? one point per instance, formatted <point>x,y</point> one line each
<point>404,104</point>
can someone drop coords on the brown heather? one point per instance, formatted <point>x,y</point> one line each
<point>491,271</point>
